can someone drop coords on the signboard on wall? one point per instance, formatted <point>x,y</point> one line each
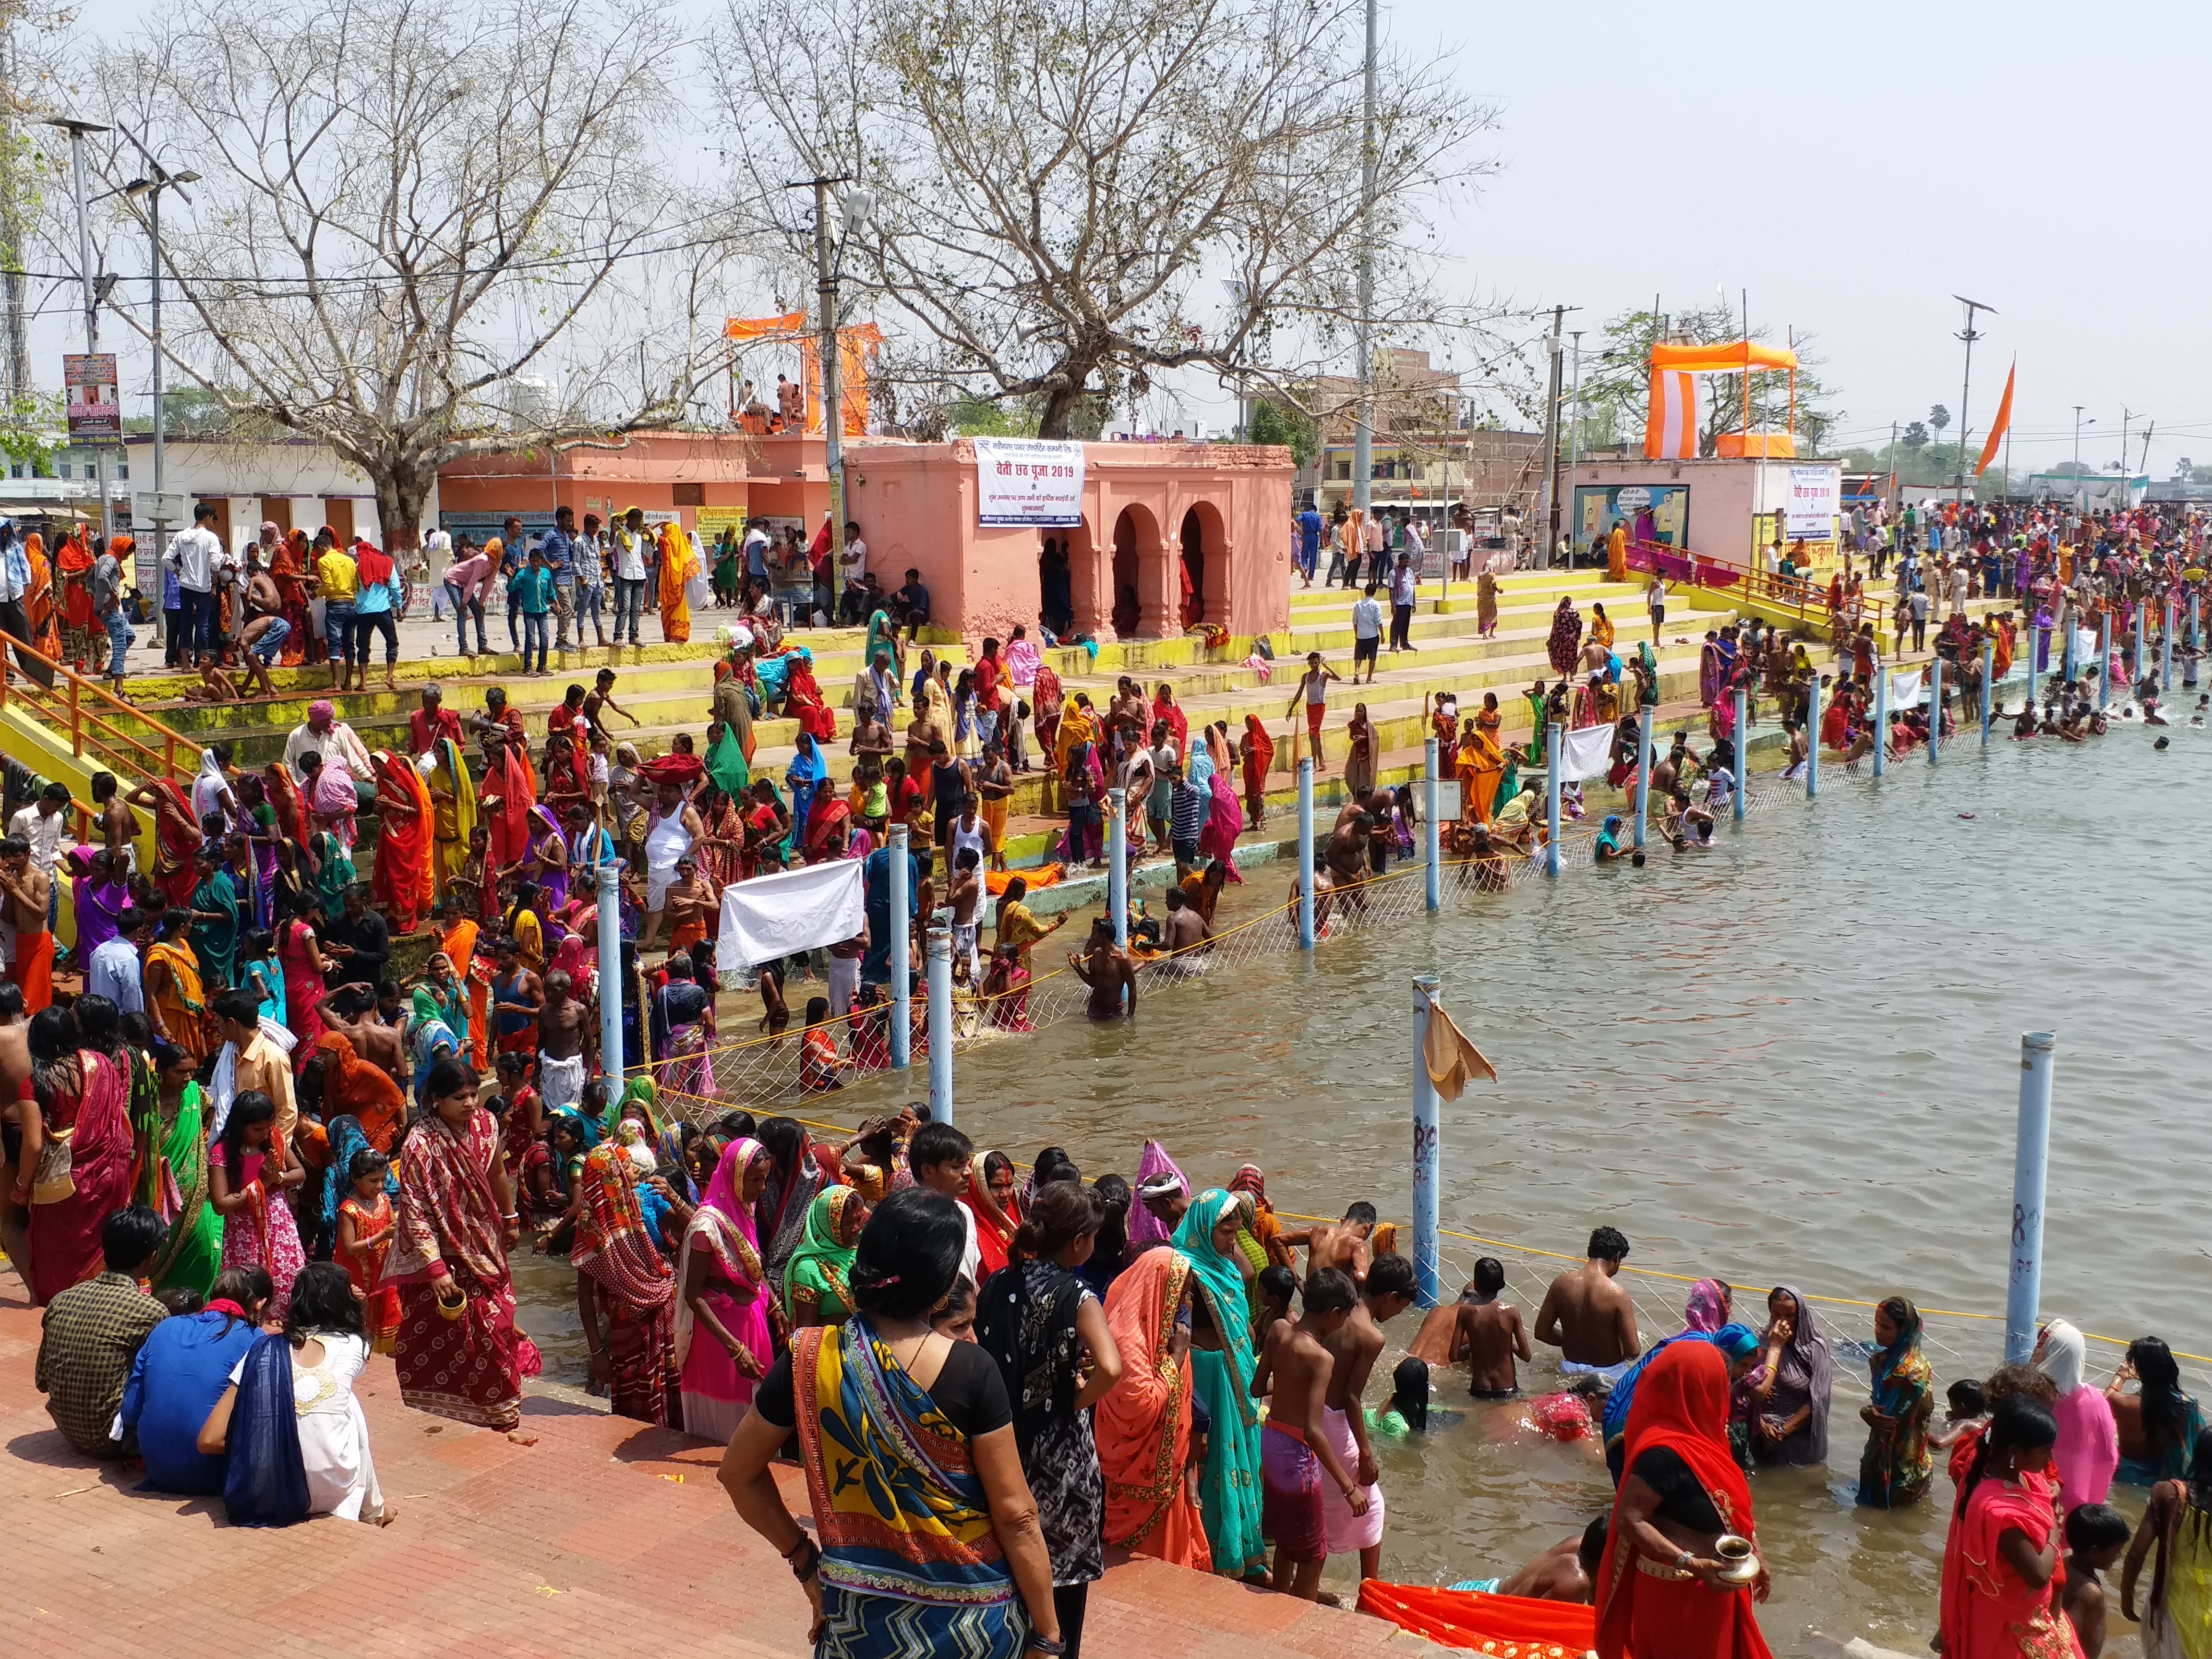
<point>1654,512</point>
<point>1033,481</point>
<point>94,415</point>
<point>1816,499</point>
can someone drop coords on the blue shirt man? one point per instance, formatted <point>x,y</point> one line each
<point>559,547</point>
<point>1309,540</point>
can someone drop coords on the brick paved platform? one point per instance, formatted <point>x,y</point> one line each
<point>605,1538</point>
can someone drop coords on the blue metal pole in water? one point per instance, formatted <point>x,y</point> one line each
<point>2066,653</point>
<point>611,1001</point>
<point>1813,738</point>
<point>2142,628</point>
<point>1643,768</point>
<point>1988,672</point>
<point>2104,663</point>
<point>1428,1151</point>
<point>1743,745</point>
<point>1431,835</point>
<point>1935,708</point>
<point>2031,1152</point>
<point>901,979</point>
<point>1553,751</point>
<point>940,1017</point>
<point>1117,869</point>
<point>2192,622</point>
<point>2165,648</point>
<point>1305,855</point>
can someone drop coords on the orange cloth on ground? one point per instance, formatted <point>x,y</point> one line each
<point>994,881</point>
<point>1487,1624</point>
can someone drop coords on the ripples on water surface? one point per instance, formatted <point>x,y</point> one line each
<point>1792,1057</point>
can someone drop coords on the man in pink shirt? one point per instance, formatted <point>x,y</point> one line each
<point>468,584</point>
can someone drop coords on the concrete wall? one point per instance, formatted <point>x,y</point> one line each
<point>916,506</point>
<point>706,478</point>
<point>298,484</point>
<point>1728,498</point>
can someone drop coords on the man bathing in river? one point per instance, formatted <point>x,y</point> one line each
<point>1589,1317</point>
<point>1108,971</point>
<point>1295,1448</point>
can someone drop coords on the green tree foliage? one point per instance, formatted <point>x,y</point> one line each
<point>1271,424</point>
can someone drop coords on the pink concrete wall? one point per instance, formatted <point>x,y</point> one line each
<point>916,507</point>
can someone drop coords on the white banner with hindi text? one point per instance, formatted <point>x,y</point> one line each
<point>1028,481</point>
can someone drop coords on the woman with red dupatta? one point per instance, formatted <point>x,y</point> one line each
<point>86,1096</point>
<point>2003,1571</point>
<point>1143,1425</point>
<point>1659,1591</point>
<point>176,837</point>
<point>353,1088</point>
<point>1165,707</point>
<point>401,886</point>
<point>301,954</point>
<point>39,607</point>
<point>803,701</point>
<point>990,1199</point>
<point>286,563</point>
<point>458,1354</point>
<point>503,803</point>
<point>621,1271</point>
<point>1259,756</point>
<point>73,568</point>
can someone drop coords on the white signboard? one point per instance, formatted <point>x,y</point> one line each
<point>1028,481</point>
<point>1815,498</point>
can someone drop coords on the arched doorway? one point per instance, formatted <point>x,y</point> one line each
<point>1056,586</point>
<point>1123,596</point>
<point>1193,571</point>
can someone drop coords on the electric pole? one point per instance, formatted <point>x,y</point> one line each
<point>1965,383</point>
<point>853,209</point>
<point>76,131</point>
<point>1550,516</point>
<point>1363,439</point>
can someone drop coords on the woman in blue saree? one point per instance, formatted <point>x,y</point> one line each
<point>805,776</point>
<point>1229,1492</point>
<point>929,1539</point>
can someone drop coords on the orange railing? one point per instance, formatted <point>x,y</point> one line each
<point>1806,600</point>
<point>85,710</point>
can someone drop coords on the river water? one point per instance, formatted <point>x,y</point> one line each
<point>1792,1057</point>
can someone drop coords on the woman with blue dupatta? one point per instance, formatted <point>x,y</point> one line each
<point>1223,1373</point>
<point>928,1536</point>
<point>1896,1466</point>
<point>804,777</point>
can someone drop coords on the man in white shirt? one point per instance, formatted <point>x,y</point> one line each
<point>333,740</point>
<point>192,554</point>
<point>44,824</point>
<point>630,572</point>
<point>941,1157</point>
<point>1366,634</point>
<point>855,565</point>
<point>1404,588</point>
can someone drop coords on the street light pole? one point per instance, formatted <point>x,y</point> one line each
<point>1363,432</point>
<point>1574,443</point>
<point>76,131</point>
<point>1966,385</point>
<point>854,206</point>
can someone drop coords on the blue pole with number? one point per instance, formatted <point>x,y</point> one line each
<point>1428,1152</point>
<point>2031,1155</point>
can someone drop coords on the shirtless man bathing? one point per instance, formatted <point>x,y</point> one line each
<point>1295,1448</point>
<point>1589,1317</point>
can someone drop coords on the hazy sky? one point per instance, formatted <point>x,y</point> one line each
<point>1853,169</point>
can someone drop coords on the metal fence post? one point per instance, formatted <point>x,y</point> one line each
<point>611,979</point>
<point>1556,755</point>
<point>1742,746</point>
<point>1432,835</point>
<point>1989,673</point>
<point>1428,1151</point>
<point>940,1017</point>
<point>1813,738</point>
<point>1643,768</point>
<point>1305,855</point>
<point>902,979</point>
<point>2031,1150</point>
<point>1117,871</point>
<point>1935,708</point>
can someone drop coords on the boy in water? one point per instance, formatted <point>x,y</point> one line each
<point>1566,1572</point>
<point>1963,1411</point>
<point>1342,1245</point>
<point>1295,1452</point>
<point>1388,1291</point>
<point>1589,1317</point>
<point>2095,1536</point>
<point>1489,1336</point>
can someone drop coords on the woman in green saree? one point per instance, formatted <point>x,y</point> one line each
<point>1229,1492</point>
<point>814,1292</point>
<point>174,1181</point>
<point>216,920</point>
<point>333,874</point>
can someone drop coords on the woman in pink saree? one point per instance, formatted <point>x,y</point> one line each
<point>83,1100</point>
<point>1218,841</point>
<point>726,1319</point>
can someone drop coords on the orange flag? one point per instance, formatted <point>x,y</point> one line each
<point>1998,428</point>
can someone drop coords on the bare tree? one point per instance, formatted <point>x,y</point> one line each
<point>423,231</point>
<point>1077,195</point>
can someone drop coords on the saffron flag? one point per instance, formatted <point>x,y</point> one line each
<point>1670,430</point>
<point>2000,426</point>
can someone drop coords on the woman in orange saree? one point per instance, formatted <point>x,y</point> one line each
<point>458,942</point>
<point>679,563</point>
<point>73,571</point>
<point>1259,756</point>
<point>1481,764</point>
<point>1144,1425</point>
<point>504,802</point>
<point>401,886</point>
<point>286,565</point>
<point>39,607</point>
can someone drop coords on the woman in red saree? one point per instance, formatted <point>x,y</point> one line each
<point>285,565</point>
<point>73,572</point>
<point>503,802</point>
<point>85,1096</point>
<point>803,701</point>
<point>719,853</point>
<point>176,838</point>
<point>990,1199</point>
<point>1259,756</point>
<point>1659,1594</point>
<point>401,886</point>
<point>458,1354</point>
<point>301,954</point>
<point>627,1279</point>
<point>1143,1425</point>
<point>1165,707</point>
<point>2003,1571</point>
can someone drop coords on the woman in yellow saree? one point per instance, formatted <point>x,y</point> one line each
<point>679,563</point>
<point>452,815</point>
<point>1481,764</point>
